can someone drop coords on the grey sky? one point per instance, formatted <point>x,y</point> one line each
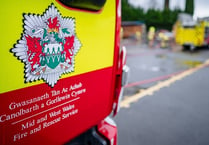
<point>201,6</point>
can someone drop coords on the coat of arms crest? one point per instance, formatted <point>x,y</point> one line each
<point>48,46</point>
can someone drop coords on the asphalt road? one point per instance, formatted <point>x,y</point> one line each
<point>167,99</point>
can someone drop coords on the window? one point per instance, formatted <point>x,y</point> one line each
<point>91,5</point>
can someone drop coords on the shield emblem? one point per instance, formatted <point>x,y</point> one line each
<point>48,46</point>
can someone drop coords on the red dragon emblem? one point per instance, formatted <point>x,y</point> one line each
<point>48,46</point>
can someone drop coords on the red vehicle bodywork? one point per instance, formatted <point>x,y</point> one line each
<point>66,110</point>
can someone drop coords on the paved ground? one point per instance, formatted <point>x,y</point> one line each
<point>174,111</point>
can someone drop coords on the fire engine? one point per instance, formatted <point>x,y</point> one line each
<point>190,33</point>
<point>63,72</point>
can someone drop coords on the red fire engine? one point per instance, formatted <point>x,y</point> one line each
<point>62,72</point>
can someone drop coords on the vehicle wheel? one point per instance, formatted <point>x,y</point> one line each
<point>185,48</point>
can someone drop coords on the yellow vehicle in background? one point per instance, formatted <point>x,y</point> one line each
<point>191,34</point>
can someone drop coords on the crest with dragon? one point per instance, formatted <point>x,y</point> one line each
<point>48,46</point>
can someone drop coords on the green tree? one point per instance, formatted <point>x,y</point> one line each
<point>189,7</point>
<point>160,19</point>
<point>130,13</point>
<point>166,4</point>
<point>153,18</point>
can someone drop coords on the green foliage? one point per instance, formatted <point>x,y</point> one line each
<point>161,19</point>
<point>130,13</point>
<point>189,7</point>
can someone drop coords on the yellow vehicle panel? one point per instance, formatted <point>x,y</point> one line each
<point>96,32</point>
<point>190,35</point>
